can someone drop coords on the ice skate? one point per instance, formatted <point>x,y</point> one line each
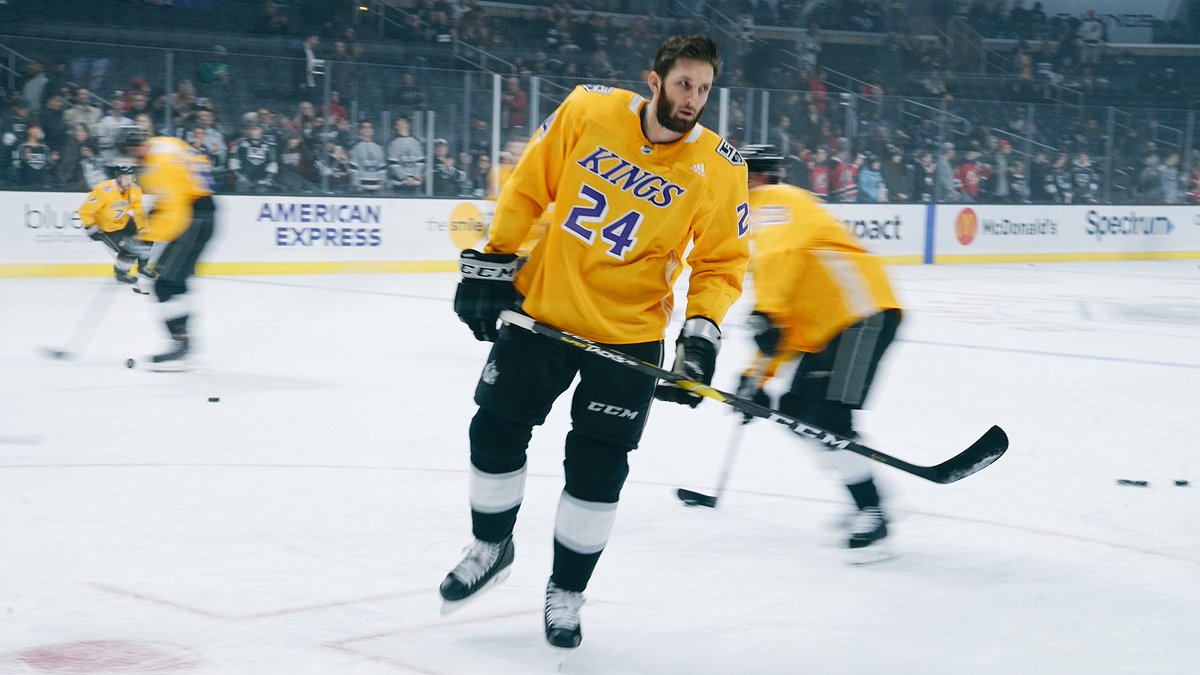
<point>484,565</point>
<point>867,540</point>
<point>562,617</point>
<point>175,358</point>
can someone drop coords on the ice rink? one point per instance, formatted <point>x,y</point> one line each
<point>301,525</point>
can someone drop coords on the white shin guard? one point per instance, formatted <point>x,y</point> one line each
<point>583,526</point>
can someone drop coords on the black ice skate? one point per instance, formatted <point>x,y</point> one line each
<point>175,358</point>
<point>868,533</point>
<point>124,276</point>
<point>485,564</point>
<point>562,617</point>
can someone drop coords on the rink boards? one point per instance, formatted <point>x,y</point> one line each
<point>40,234</point>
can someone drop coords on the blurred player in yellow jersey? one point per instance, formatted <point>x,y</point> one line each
<point>819,294</point>
<point>633,183</point>
<point>178,183</point>
<point>111,214</point>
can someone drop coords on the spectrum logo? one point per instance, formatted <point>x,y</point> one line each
<point>966,226</point>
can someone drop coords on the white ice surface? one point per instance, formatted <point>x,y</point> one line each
<point>302,524</point>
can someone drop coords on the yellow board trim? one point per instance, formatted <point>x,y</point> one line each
<point>1064,257</point>
<point>39,270</point>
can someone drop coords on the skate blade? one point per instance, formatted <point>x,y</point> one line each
<point>452,606</point>
<point>877,552</point>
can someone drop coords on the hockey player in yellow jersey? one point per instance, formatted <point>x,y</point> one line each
<point>633,183</point>
<point>111,214</point>
<point>177,179</point>
<point>819,294</point>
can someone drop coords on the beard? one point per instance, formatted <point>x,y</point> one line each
<point>664,113</point>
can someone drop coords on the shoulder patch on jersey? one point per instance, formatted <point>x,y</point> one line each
<point>108,188</point>
<point>597,88</point>
<point>726,150</point>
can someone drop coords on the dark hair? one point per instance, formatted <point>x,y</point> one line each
<point>695,47</point>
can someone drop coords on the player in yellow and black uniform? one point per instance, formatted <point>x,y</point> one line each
<point>111,214</point>
<point>178,180</point>
<point>820,294</point>
<point>633,182</point>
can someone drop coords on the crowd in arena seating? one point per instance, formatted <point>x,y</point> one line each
<point>846,140</point>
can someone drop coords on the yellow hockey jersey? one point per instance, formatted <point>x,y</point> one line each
<point>625,211</point>
<point>175,175</point>
<point>108,208</point>
<point>810,275</point>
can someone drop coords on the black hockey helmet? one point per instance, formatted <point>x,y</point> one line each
<point>129,136</point>
<point>763,158</point>
<point>123,169</point>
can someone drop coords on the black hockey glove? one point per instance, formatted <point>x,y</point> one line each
<point>766,334</point>
<point>695,359</point>
<point>486,289</point>
<point>750,388</point>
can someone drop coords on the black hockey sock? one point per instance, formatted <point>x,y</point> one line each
<point>572,570</point>
<point>178,326</point>
<point>865,495</point>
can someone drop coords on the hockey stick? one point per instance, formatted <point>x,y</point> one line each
<point>979,455</point>
<point>693,498</point>
<point>85,329</point>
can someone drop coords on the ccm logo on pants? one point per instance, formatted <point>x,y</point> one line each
<point>615,410</point>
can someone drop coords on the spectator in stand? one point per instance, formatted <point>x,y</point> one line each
<point>410,96</point>
<point>896,176</point>
<point>311,69</point>
<point>1090,38</point>
<point>336,109</point>
<point>480,176</point>
<point>215,74</point>
<point>53,121</point>
<point>808,46</point>
<point>809,129</point>
<point>218,148</point>
<point>297,168</point>
<point>480,138</point>
<point>406,160</point>
<point>925,181</point>
<point>197,137</point>
<point>253,161</point>
<point>1018,186</point>
<point>82,111</point>
<point>144,121</point>
<point>819,174</point>
<point>302,121</point>
<point>448,179</point>
<point>1041,184</point>
<point>1060,173</point>
<point>945,187</point>
<point>79,165</point>
<point>1085,182</point>
<point>105,131</point>
<point>781,135</point>
<point>871,187</point>
<point>33,89</point>
<point>368,168</point>
<point>1171,184</point>
<point>817,90</point>
<point>514,104</point>
<point>1001,189</point>
<point>1148,188</point>
<point>12,134</point>
<point>273,21</point>
<point>968,176</point>
<point>35,160</point>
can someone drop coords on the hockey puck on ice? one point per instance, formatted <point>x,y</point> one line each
<point>130,363</point>
<point>1182,483</point>
<point>1133,483</point>
<point>214,399</point>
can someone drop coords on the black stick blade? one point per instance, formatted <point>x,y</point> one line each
<point>990,446</point>
<point>690,498</point>
<point>56,354</point>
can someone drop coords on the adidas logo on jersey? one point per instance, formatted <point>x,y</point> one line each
<point>699,169</point>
